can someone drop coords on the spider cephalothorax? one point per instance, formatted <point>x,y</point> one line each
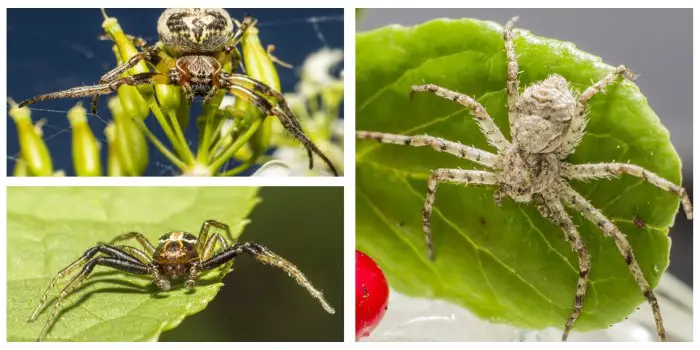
<point>179,255</point>
<point>547,121</point>
<point>196,45</point>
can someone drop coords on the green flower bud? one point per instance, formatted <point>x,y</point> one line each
<point>130,143</point>
<point>260,67</point>
<point>32,148</point>
<point>86,149</point>
<point>114,165</point>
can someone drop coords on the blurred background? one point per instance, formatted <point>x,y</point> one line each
<point>55,49</point>
<point>657,44</point>
<point>260,303</point>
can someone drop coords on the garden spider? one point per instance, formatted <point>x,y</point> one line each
<point>178,255</point>
<point>196,44</point>
<point>547,122</point>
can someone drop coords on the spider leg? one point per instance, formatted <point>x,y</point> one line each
<point>578,123</point>
<point>512,63</point>
<point>203,239</point>
<point>118,263</point>
<point>268,92</point>
<point>137,253</point>
<point>470,177</point>
<point>145,243</point>
<point>488,127</point>
<point>242,28</point>
<point>607,170</point>
<point>286,118</point>
<point>578,202</point>
<point>149,54</point>
<point>101,89</point>
<point>441,145</point>
<point>552,209</point>
<point>89,254</point>
<point>266,256</point>
<point>600,85</point>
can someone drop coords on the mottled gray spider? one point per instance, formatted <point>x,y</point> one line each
<point>547,122</point>
<point>178,255</point>
<point>197,43</point>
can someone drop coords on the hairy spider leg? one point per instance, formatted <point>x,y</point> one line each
<point>277,97</point>
<point>145,243</point>
<point>578,123</point>
<point>89,254</point>
<point>137,253</point>
<point>488,127</point>
<point>610,170</point>
<point>512,84</point>
<point>553,209</point>
<point>266,256</point>
<point>101,89</point>
<point>469,177</point>
<point>131,265</point>
<point>203,241</point>
<point>441,145</point>
<point>578,202</point>
<point>286,120</point>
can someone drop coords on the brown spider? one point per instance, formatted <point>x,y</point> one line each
<point>178,255</point>
<point>197,43</point>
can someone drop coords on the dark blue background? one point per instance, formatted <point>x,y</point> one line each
<point>55,49</point>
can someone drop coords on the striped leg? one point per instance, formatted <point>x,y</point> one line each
<point>607,170</point>
<point>553,210</point>
<point>602,84</point>
<point>578,202</point>
<point>512,62</point>
<point>488,127</point>
<point>477,177</point>
<point>441,145</point>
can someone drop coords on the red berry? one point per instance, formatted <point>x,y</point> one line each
<point>371,295</point>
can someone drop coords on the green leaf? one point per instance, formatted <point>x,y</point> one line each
<point>507,265</point>
<point>49,227</point>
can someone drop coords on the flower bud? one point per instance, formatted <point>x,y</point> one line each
<point>86,149</point>
<point>114,165</point>
<point>260,67</point>
<point>33,150</point>
<point>130,143</point>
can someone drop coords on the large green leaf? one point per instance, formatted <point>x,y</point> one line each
<point>507,265</point>
<point>49,227</point>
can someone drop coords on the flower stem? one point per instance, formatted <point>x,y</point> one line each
<point>234,147</point>
<point>167,129</point>
<point>164,150</point>
<point>188,156</point>
<point>239,169</point>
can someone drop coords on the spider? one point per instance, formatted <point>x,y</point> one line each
<point>178,255</point>
<point>547,122</point>
<point>196,44</point>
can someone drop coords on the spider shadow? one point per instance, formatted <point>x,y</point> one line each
<point>126,287</point>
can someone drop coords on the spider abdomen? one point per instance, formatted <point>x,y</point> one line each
<point>195,31</point>
<point>544,115</point>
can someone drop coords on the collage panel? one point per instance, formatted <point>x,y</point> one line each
<point>574,129</point>
<point>196,92</point>
<point>103,264</point>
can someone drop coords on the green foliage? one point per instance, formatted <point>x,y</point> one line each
<point>507,265</point>
<point>45,235</point>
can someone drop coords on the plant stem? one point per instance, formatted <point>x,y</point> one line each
<point>176,161</point>
<point>166,128</point>
<point>239,169</point>
<point>234,147</point>
<point>203,151</point>
<point>189,157</point>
